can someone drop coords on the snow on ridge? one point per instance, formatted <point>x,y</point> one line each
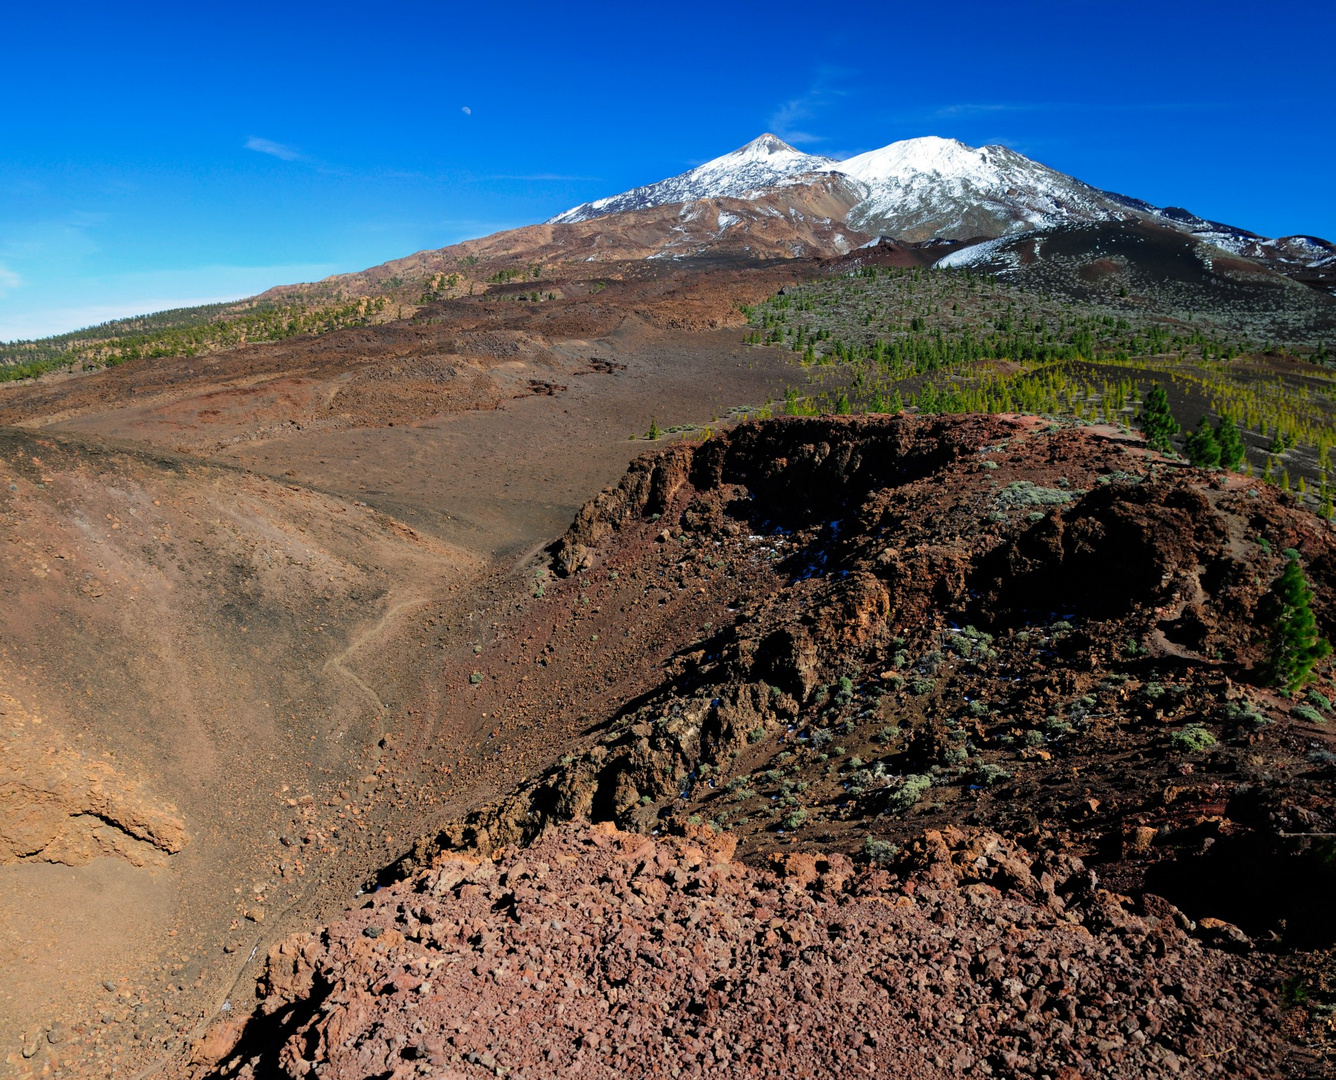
<point>976,254</point>
<point>761,163</point>
<point>912,157</point>
<point>938,187</point>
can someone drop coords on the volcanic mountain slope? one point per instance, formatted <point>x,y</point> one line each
<point>1008,668</point>
<point>1155,270</point>
<point>762,163</point>
<point>915,189</point>
<point>921,188</point>
<point>930,187</point>
<point>767,200</point>
<point>237,625</point>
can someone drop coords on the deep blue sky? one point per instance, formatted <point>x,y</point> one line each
<point>155,155</point>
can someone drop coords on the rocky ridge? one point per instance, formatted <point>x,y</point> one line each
<point>965,620</point>
<point>981,737</point>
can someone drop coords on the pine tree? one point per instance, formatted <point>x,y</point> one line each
<point>1232,451</point>
<point>1201,447</point>
<point>1293,643</point>
<point>1157,422</point>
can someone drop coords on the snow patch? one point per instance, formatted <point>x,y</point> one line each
<point>989,251</point>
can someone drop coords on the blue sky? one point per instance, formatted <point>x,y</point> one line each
<point>158,155</point>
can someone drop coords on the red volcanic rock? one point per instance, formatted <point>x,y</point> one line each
<point>597,952</point>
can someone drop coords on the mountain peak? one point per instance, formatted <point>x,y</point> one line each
<point>766,143</point>
<point>929,154</point>
<point>764,162</point>
<point>921,188</point>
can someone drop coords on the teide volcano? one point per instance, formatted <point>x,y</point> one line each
<point>931,187</point>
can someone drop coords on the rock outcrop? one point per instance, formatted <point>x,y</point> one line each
<point>58,806</point>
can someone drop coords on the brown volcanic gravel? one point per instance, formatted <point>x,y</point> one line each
<point>602,953</point>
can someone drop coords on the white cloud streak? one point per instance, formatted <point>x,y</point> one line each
<point>790,121</point>
<point>273,149</point>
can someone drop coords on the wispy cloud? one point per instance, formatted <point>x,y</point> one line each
<point>273,149</point>
<point>791,121</point>
<point>8,280</point>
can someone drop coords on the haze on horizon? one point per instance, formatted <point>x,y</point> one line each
<point>156,159</point>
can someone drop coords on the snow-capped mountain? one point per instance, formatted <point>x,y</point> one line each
<point>921,188</point>
<point>762,163</point>
<point>914,189</point>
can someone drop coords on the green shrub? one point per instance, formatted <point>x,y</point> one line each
<point>1243,714</point>
<point>1192,739</point>
<point>845,694</point>
<point>991,775</point>
<point>1309,714</point>
<point>880,852</point>
<point>1021,494</point>
<point>911,790</point>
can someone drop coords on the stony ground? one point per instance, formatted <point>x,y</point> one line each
<point>602,953</point>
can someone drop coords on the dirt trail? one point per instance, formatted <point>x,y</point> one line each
<point>338,664</point>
